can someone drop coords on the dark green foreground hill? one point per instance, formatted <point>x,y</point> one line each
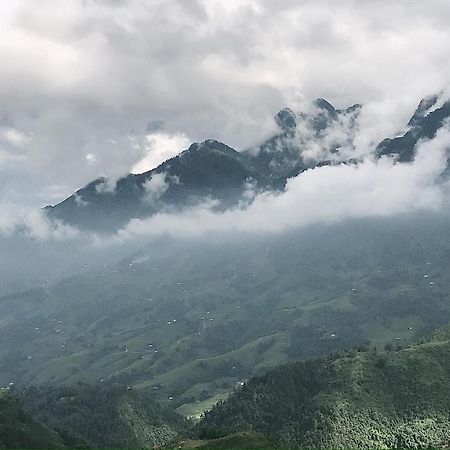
<point>19,430</point>
<point>362,399</point>
<point>84,416</point>
<point>102,416</point>
<point>359,399</point>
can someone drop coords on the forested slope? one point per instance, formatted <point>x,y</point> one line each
<point>361,399</point>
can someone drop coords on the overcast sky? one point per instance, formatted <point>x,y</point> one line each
<point>105,87</point>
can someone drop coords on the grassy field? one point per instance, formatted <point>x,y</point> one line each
<point>196,409</point>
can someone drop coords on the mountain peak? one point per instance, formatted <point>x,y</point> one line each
<point>424,124</point>
<point>286,119</point>
<point>321,103</point>
<point>208,145</point>
<point>422,109</point>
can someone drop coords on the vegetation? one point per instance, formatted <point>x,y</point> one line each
<point>359,399</point>
<point>243,440</point>
<point>19,430</point>
<point>113,416</point>
<point>186,320</point>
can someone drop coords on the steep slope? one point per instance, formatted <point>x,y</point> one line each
<point>103,416</point>
<point>207,171</point>
<point>362,399</point>
<point>19,430</point>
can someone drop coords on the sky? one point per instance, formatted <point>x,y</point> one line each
<point>93,88</point>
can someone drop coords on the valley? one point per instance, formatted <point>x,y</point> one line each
<point>177,320</point>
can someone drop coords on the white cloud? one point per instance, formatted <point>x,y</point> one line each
<point>91,158</point>
<point>328,194</point>
<point>155,186</point>
<point>380,188</point>
<point>106,185</point>
<point>14,137</point>
<point>9,218</point>
<point>79,200</point>
<point>36,225</point>
<point>84,76</point>
<point>158,147</point>
<point>33,223</point>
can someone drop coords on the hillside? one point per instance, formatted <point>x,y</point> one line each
<point>177,319</point>
<point>360,399</point>
<point>104,416</point>
<point>19,430</point>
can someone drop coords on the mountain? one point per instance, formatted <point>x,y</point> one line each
<point>280,157</point>
<point>359,399</point>
<point>213,171</point>
<point>183,321</point>
<point>206,171</point>
<point>20,430</point>
<point>424,124</point>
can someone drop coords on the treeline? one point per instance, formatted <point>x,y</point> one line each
<point>84,416</point>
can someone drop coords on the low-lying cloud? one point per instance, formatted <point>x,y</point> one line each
<point>33,224</point>
<point>372,188</point>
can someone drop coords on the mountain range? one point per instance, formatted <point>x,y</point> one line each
<point>214,172</point>
<point>261,325</point>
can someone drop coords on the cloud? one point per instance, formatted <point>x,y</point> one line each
<point>83,78</point>
<point>324,195</point>
<point>372,188</point>
<point>158,147</point>
<point>79,200</point>
<point>36,225</point>
<point>12,142</point>
<point>318,134</point>
<point>33,224</point>
<point>9,218</point>
<point>155,186</point>
<point>106,185</point>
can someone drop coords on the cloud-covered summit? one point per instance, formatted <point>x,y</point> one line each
<point>314,144</point>
<point>86,81</point>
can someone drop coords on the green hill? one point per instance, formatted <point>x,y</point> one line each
<point>19,430</point>
<point>112,416</point>
<point>361,399</point>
